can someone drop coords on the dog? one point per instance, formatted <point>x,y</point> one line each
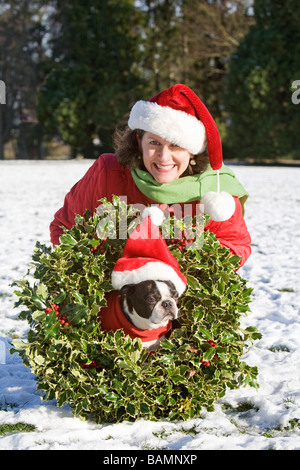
<point>149,305</point>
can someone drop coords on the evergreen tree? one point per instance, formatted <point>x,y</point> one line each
<point>94,76</point>
<point>264,122</point>
<point>21,33</point>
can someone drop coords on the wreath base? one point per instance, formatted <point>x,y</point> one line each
<point>108,376</point>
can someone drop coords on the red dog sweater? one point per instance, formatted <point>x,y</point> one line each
<point>112,318</point>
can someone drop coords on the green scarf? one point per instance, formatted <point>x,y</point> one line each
<point>188,188</point>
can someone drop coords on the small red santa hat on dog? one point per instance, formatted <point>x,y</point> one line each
<point>146,256</point>
<point>179,116</point>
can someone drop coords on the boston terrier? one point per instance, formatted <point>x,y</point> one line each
<point>149,305</point>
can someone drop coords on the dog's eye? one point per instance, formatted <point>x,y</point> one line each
<point>151,299</point>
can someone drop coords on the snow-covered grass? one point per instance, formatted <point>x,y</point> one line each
<point>245,419</point>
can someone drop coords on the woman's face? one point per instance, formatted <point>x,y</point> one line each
<point>165,161</point>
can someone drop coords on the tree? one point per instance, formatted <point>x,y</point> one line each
<point>94,77</point>
<point>21,33</point>
<point>264,123</point>
<point>191,42</point>
<point>211,31</point>
<point>161,44</point>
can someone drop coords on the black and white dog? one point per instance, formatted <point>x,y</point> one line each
<point>149,305</point>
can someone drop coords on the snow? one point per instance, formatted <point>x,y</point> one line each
<point>30,193</point>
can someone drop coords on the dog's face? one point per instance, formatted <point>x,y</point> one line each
<point>150,304</point>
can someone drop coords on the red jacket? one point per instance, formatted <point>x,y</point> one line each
<point>106,177</point>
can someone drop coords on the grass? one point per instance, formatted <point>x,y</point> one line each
<point>279,348</point>
<point>14,428</point>
<point>286,289</point>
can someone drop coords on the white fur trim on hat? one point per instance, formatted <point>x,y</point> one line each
<point>155,213</point>
<point>219,206</point>
<point>154,270</point>
<point>176,126</point>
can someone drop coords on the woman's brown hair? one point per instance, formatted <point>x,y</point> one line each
<point>129,153</point>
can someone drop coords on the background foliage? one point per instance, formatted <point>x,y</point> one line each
<point>263,118</point>
<point>110,377</point>
<point>73,69</point>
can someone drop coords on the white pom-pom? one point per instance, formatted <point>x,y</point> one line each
<point>155,214</point>
<point>219,206</point>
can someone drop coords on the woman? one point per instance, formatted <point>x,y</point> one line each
<point>161,158</point>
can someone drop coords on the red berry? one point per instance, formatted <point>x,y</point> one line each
<point>89,366</point>
<point>205,363</point>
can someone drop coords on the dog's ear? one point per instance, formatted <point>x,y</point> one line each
<point>128,289</point>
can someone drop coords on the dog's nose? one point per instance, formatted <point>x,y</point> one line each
<point>167,304</point>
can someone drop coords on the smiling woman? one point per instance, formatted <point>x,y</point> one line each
<point>164,160</point>
<point>169,153</point>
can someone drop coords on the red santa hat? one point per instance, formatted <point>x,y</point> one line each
<point>179,116</point>
<point>146,257</point>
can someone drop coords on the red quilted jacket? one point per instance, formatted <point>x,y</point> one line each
<point>106,177</point>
